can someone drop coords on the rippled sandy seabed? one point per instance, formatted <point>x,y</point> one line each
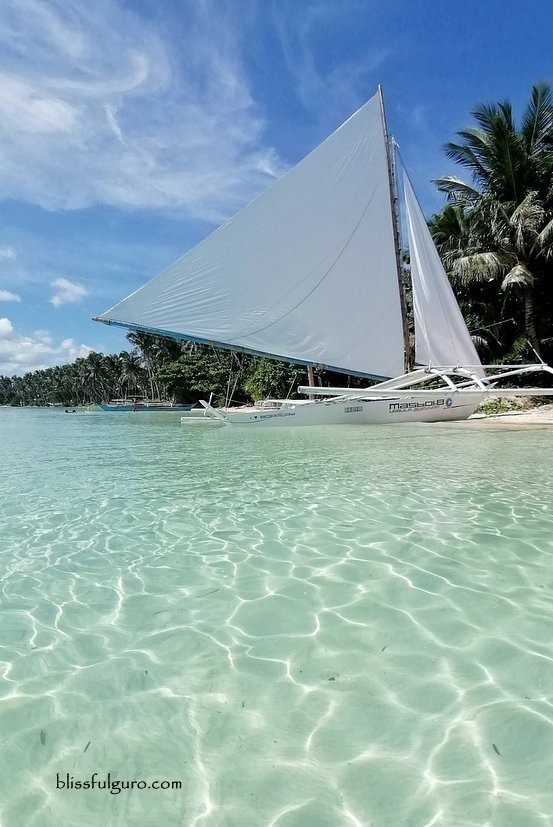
<point>339,626</point>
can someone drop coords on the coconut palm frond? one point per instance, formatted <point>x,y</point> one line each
<point>467,159</point>
<point>478,266</point>
<point>537,123</point>
<point>480,342</point>
<point>526,220</point>
<point>519,276</point>
<point>529,206</point>
<point>487,116</point>
<point>545,237</point>
<point>448,228</point>
<point>519,349</point>
<point>530,211</point>
<point>458,192</point>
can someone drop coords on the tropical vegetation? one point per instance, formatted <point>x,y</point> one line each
<point>156,368</point>
<point>495,234</point>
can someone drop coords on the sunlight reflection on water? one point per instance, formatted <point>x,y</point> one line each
<point>305,627</point>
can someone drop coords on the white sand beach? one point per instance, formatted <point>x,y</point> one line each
<point>539,415</point>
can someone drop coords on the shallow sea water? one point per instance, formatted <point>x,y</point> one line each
<point>311,627</point>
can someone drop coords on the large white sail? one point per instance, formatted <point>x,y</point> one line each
<point>441,335</point>
<point>306,272</point>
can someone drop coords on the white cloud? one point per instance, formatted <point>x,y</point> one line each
<point>7,252</point>
<point>98,106</point>
<point>21,354</point>
<point>43,336</point>
<point>35,112</point>
<point>6,328</point>
<point>6,296</point>
<point>75,351</point>
<point>67,292</point>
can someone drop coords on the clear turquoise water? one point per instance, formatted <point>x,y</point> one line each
<point>313,627</point>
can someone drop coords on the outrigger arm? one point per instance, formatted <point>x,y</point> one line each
<point>403,386</point>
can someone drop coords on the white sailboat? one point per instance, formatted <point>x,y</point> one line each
<point>310,273</point>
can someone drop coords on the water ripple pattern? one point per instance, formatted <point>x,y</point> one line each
<point>338,626</point>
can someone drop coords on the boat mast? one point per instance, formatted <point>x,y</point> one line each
<point>408,358</point>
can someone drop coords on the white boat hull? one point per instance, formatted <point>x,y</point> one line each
<point>389,411</point>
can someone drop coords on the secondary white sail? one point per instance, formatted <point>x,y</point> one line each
<point>306,272</point>
<point>441,335</point>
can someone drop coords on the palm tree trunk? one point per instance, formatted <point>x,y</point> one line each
<point>529,322</point>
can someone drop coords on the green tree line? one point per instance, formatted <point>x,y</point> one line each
<point>495,237</point>
<point>156,368</point>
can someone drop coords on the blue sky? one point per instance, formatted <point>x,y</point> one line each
<point>129,130</point>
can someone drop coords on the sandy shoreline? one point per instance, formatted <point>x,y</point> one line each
<point>527,418</point>
<point>540,415</point>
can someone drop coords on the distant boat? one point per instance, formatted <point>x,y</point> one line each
<point>311,273</point>
<point>136,404</point>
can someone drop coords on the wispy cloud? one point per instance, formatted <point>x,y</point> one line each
<point>7,296</point>
<point>20,354</point>
<point>324,87</point>
<point>67,292</point>
<point>415,117</point>
<point>7,253</point>
<point>97,106</point>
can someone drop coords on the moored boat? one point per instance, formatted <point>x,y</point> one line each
<point>134,404</point>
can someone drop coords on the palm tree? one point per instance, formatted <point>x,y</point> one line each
<point>93,377</point>
<point>143,345</point>
<point>505,162</point>
<point>132,372</point>
<point>499,226</point>
<point>156,353</point>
